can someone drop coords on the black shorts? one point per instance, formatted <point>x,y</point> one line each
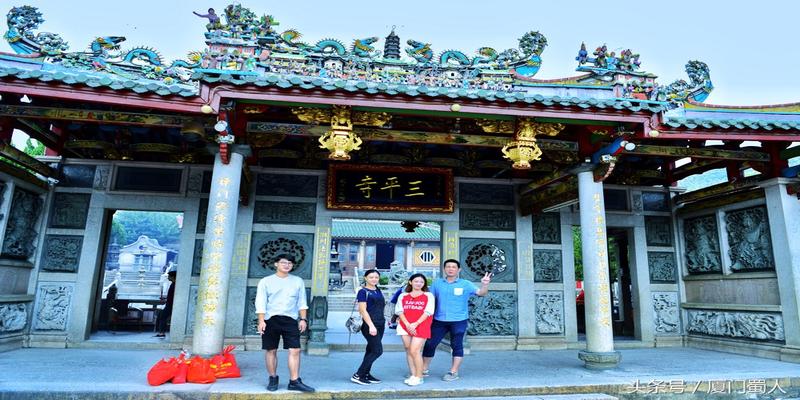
<point>281,326</point>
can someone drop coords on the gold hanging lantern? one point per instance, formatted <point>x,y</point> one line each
<point>340,140</point>
<point>523,149</point>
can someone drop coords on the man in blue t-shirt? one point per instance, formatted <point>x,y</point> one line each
<point>452,314</point>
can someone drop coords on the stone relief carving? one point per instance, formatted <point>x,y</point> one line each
<point>487,220</point>
<point>197,259</point>
<point>13,317</point>
<point>658,231</point>
<point>52,307</point>
<point>267,245</point>
<point>318,316</point>
<point>278,212</point>
<point>70,210</point>
<point>702,245</point>
<point>250,319</point>
<point>549,313</point>
<point>195,182</point>
<point>62,253</point>
<point>286,185</point>
<point>655,201</point>
<point>191,307</point>
<point>547,228</point>
<point>488,255</point>
<point>202,215</point>
<point>662,266</point>
<point>478,193</point>
<point>547,265</point>
<point>749,240</point>
<point>739,325</point>
<point>101,177</point>
<point>494,314</point>
<point>637,206</point>
<point>665,312</point>
<point>77,176</point>
<point>20,237</point>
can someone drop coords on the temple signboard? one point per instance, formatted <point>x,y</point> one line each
<point>389,188</point>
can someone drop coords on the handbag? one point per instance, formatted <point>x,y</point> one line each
<point>354,322</point>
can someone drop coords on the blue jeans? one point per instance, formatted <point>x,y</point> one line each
<point>456,329</point>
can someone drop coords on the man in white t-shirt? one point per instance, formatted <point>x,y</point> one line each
<point>281,308</point>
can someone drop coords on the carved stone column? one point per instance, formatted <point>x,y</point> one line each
<point>212,297</point>
<point>362,255</point>
<point>783,209</point>
<point>318,310</point>
<point>599,353</point>
<point>409,261</point>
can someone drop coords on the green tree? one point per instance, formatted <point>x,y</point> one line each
<point>33,147</point>
<point>162,226</point>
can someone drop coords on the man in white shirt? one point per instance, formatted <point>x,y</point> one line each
<point>281,308</point>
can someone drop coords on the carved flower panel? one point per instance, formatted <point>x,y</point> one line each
<point>547,228</point>
<point>479,193</point>
<point>702,245</point>
<point>70,210</point>
<point>658,231</point>
<point>547,265</point>
<point>493,315</point>
<point>488,255</point>
<point>278,212</point>
<point>62,253</point>
<point>662,266</point>
<point>666,317</point>
<point>20,238</point>
<point>267,245</point>
<point>737,325</point>
<point>487,220</point>
<point>52,310</point>
<point>749,239</point>
<point>549,313</point>
<point>13,317</point>
<point>101,177</point>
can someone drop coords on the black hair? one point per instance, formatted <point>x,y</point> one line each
<point>415,276</point>
<point>172,273</point>
<point>286,257</point>
<point>458,264</point>
<point>372,270</point>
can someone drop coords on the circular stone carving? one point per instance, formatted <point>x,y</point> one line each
<point>268,251</point>
<point>483,258</point>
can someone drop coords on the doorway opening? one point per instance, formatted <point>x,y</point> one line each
<point>621,300</point>
<point>133,288</point>
<point>396,248</point>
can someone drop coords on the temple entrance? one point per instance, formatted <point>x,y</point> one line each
<point>141,249</point>
<point>396,248</point>
<point>622,315</point>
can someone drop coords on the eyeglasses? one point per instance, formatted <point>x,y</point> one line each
<point>285,262</point>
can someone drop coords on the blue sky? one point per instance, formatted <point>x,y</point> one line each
<point>750,47</point>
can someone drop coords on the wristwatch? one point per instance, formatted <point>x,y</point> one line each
<point>302,319</point>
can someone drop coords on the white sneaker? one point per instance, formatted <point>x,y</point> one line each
<point>414,381</point>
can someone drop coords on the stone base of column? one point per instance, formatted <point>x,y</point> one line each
<point>318,348</point>
<point>597,360</point>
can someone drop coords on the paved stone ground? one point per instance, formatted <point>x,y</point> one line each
<point>121,374</point>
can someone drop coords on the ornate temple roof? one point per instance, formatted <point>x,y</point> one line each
<point>363,229</point>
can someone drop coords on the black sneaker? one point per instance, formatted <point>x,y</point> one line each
<point>359,380</point>
<point>300,386</point>
<point>273,383</point>
<point>372,379</point>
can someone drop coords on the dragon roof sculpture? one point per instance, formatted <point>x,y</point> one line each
<point>240,43</point>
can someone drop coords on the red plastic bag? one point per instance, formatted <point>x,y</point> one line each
<point>224,364</point>
<point>200,371</point>
<point>162,371</point>
<point>183,370</point>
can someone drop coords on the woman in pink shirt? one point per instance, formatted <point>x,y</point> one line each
<point>415,306</point>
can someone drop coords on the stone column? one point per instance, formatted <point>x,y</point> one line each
<point>318,309</point>
<point>409,262</point>
<point>362,255</point>
<point>599,353</point>
<point>212,293</point>
<point>783,210</point>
